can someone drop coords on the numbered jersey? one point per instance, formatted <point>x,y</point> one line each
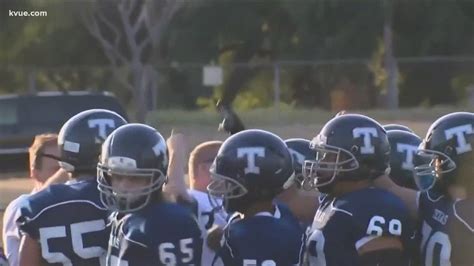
<point>159,234</point>
<point>447,230</point>
<point>69,222</point>
<point>341,226</point>
<point>207,217</point>
<point>263,240</point>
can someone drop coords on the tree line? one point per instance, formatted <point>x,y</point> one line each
<point>329,52</point>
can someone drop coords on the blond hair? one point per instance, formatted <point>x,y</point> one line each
<point>39,144</point>
<point>204,152</point>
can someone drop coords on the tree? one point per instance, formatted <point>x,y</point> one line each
<point>389,58</point>
<point>131,34</point>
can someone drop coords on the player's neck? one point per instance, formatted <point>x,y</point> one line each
<point>262,206</point>
<point>345,187</point>
<point>37,187</point>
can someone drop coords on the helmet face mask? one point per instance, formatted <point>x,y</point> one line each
<point>132,168</point>
<point>222,190</point>
<point>448,153</point>
<point>128,200</point>
<point>329,162</point>
<point>436,164</point>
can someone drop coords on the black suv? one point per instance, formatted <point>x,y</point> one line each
<point>24,116</point>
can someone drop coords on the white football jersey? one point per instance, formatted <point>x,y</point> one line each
<point>207,217</point>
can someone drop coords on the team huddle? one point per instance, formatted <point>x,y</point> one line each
<point>357,193</point>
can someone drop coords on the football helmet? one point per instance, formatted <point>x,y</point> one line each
<point>81,137</point>
<point>251,165</point>
<point>349,147</point>
<point>133,151</point>
<point>448,148</point>
<point>389,127</point>
<point>300,151</point>
<point>403,150</point>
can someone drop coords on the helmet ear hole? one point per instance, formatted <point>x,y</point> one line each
<point>448,150</point>
<point>354,149</point>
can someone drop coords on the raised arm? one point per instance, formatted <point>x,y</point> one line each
<point>177,148</point>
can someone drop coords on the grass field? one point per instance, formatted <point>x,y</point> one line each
<point>202,126</point>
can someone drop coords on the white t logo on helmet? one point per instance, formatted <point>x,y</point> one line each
<point>459,132</point>
<point>298,157</point>
<point>410,151</point>
<point>366,133</point>
<point>250,153</point>
<point>102,124</point>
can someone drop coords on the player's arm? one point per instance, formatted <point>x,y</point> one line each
<point>408,196</point>
<point>176,185</point>
<point>60,177</point>
<point>30,252</point>
<point>383,251</point>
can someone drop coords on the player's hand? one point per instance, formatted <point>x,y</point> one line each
<point>342,112</point>
<point>231,122</point>
<point>177,149</point>
<point>177,144</point>
<point>214,237</point>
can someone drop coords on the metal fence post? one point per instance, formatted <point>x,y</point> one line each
<point>32,81</point>
<point>276,86</point>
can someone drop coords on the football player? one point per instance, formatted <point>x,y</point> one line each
<point>196,197</point>
<point>251,168</point>
<point>445,204</point>
<point>146,229</point>
<point>355,223</point>
<point>403,151</point>
<point>66,223</point>
<point>43,155</point>
<point>302,202</point>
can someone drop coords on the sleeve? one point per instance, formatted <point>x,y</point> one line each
<point>330,246</point>
<point>135,250</point>
<point>138,254</point>
<point>227,252</point>
<point>11,233</point>
<point>26,224</point>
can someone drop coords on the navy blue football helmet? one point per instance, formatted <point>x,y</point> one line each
<point>251,165</point>
<point>81,137</point>
<point>389,127</point>
<point>134,151</point>
<point>349,147</point>
<point>300,151</point>
<point>403,153</point>
<point>448,148</point>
